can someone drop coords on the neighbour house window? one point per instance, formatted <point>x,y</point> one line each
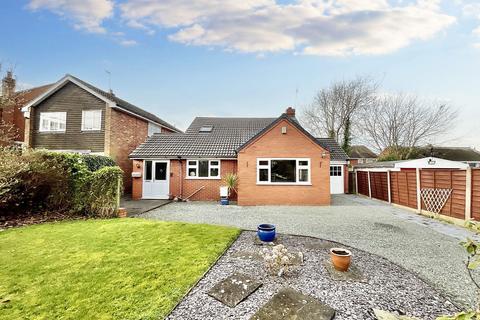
<point>91,120</point>
<point>53,121</point>
<point>203,168</point>
<point>287,171</point>
<point>335,171</point>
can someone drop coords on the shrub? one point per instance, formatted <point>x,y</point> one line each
<point>43,181</point>
<point>97,162</point>
<point>104,190</point>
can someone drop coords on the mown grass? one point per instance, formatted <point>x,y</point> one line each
<point>104,269</point>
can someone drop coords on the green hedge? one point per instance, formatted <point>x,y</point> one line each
<point>42,181</point>
<point>97,162</point>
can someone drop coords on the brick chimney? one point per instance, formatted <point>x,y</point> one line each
<point>8,85</point>
<point>290,112</point>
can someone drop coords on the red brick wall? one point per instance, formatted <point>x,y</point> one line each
<point>345,179</point>
<point>126,133</point>
<point>274,144</point>
<point>181,187</point>
<point>211,190</point>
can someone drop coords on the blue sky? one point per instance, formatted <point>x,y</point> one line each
<point>181,59</point>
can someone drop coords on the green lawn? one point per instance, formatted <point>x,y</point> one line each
<point>104,269</point>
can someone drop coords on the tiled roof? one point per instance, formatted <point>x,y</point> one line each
<point>336,152</point>
<point>226,136</point>
<point>25,96</point>
<point>127,106</point>
<point>361,152</point>
<point>452,153</point>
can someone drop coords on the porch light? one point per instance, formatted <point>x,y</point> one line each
<point>431,162</point>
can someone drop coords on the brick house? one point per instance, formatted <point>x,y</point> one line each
<point>11,113</point>
<point>74,116</point>
<point>276,159</point>
<point>361,154</point>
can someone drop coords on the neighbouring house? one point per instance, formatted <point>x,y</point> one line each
<point>11,113</point>
<point>74,116</point>
<point>361,154</point>
<point>276,159</point>
<point>463,154</point>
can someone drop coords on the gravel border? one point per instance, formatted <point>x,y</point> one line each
<point>389,286</point>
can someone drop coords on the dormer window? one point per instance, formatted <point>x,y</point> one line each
<point>206,129</point>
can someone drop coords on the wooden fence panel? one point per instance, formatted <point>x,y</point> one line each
<point>404,188</point>
<point>476,194</point>
<point>363,183</point>
<point>379,185</point>
<point>447,179</point>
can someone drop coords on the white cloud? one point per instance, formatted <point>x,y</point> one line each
<point>333,27</point>
<point>86,14</point>
<point>128,43</point>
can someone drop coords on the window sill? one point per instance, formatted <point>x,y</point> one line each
<point>202,178</point>
<point>283,184</point>
<point>96,130</point>
<point>51,132</point>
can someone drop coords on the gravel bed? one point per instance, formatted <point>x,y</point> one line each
<point>389,287</point>
<point>423,246</point>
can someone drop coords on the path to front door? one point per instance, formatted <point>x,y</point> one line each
<point>156,179</point>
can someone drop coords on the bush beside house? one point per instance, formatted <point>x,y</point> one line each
<point>41,182</point>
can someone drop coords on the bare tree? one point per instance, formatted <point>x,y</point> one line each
<point>335,109</point>
<point>403,122</point>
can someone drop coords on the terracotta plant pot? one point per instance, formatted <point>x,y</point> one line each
<point>122,212</point>
<point>341,258</point>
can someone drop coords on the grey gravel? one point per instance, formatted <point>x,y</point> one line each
<point>424,246</point>
<point>389,287</point>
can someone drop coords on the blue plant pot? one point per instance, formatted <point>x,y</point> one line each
<point>266,232</point>
<point>224,201</point>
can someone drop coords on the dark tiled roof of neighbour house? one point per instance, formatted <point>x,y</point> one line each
<point>361,152</point>
<point>226,138</point>
<point>452,153</point>
<point>128,106</point>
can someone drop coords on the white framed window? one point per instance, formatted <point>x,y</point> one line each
<point>283,171</point>
<point>53,121</point>
<point>203,169</point>
<point>91,120</point>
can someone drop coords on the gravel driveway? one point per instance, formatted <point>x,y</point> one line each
<point>426,247</point>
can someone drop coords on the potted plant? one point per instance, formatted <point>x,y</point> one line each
<point>341,258</point>
<point>231,181</point>
<point>266,232</point>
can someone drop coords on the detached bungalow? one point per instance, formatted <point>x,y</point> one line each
<point>276,159</point>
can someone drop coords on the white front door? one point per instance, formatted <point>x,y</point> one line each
<point>336,179</point>
<point>156,179</point>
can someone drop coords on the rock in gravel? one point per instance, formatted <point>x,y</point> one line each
<point>289,304</point>
<point>385,315</point>
<point>234,289</point>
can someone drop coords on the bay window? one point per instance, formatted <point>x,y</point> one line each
<point>283,171</point>
<point>53,121</point>
<point>203,169</point>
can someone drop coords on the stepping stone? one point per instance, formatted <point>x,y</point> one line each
<point>385,315</point>
<point>289,304</point>
<point>234,289</point>
<point>246,255</point>
<point>320,245</point>
<point>353,273</point>
<point>258,242</point>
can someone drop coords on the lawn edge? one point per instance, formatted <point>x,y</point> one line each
<point>229,245</point>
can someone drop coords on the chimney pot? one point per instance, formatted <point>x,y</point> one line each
<point>290,112</point>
